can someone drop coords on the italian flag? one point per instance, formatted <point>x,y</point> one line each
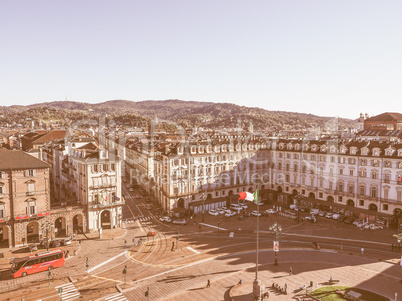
<point>248,196</point>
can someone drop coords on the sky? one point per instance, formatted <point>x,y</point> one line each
<point>329,58</point>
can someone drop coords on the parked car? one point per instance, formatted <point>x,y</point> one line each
<point>329,215</point>
<point>270,211</point>
<point>151,233</point>
<point>165,219</point>
<point>335,216</point>
<point>148,206</point>
<point>341,218</point>
<point>314,211</point>
<point>55,243</point>
<point>243,205</point>
<point>229,214</point>
<point>213,212</point>
<point>220,211</point>
<point>349,220</point>
<point>138,196</point>
<point>131,189</point>
<point>180,222</point>
<point>236,207</point>
<point>32,248</point>
<point>256,213</point>
<point>65,242</point>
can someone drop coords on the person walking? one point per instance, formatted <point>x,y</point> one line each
<point>362,250</point>
<point>172,246</point>
<point>125,243</point>
<point>290,271</point>
<point>208,283</point>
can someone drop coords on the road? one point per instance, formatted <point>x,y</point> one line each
<point>200,254</point>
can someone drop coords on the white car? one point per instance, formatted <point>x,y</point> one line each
<point>271,211</point>
<point>243,205</point>
<point>213,212</point>
<point>131,190</point>
<point>165,219</point>
<point>220,211</point>
<point>230,213</point>
<point>329,215</point>
<point>223,208</point>
<point>180,222</point>
<point>259,203</point>
<point>256,213</point>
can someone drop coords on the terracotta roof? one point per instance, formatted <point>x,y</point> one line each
<point>388,116</point>
<point>15,159</point>
<point>53,135</point>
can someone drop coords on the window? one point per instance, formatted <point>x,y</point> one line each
<point>2,174</point>
<point>362,190</point>
<point>351,172</point>
<point>2,189</point>
<point>31,188</point>
<point>339,199</point>
<point>373,192</point>
<point>2,211</point>
<point>340,186</point>
<point>385,207</point>
<point>361,202</point>
<point>96,199</point>
<point>399,195</point>
<point>320,195</point>
<point>95,168</point>
<point>113,167</point>
<point>30,173</point>
<point>387,178</point>
<point>374,175</point>
<point>351,188</point>
<point>31,209</point>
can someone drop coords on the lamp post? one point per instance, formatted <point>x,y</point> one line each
<point>298,199</point>
<point>203,197</point>
<point>47,227</point>
<point>276,230</point>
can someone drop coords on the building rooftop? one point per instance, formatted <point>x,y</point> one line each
<point>15,159</point>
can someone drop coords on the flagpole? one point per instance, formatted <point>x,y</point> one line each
<point>258,232</point>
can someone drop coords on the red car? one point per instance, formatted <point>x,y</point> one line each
<point>151,233</point>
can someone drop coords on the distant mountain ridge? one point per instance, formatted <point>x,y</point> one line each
<point>188,113</point>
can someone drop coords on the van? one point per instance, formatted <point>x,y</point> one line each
<point>314,211</point>
<point>336,216</point>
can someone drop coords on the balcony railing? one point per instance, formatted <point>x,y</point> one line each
<point>109,185</point>
<point>30,192</point>
<point>108,204</point>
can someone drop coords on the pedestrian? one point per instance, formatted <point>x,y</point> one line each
<point>362,250</point>
<point>75,252</point>
<point>172,246</point>
<point>290,271</point>
<point>285,287</point>
<point>240,282</point>
<point>134,242</point>
<point>199,226</point>
<point>125,243</point>
<point>208,283</point>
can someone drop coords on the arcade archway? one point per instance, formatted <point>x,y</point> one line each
<point>78,225</point>
<point>106,222</point>
<point>33,232</point>
<point>60,227</point>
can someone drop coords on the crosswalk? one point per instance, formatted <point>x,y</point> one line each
<point>68,292</point>
<point>116,297</point>
<point>148,218</point>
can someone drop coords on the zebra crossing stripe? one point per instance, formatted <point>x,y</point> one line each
<point>68,291</point>
<point>116,297</point>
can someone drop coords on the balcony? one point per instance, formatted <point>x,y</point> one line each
<point>30,192</point>
<point>1,195</point>
<point>104,205</point>
<point>101,186</point>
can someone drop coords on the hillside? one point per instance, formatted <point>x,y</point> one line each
<point>185,113</point>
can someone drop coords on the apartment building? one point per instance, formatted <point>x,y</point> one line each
<point>24,198</point>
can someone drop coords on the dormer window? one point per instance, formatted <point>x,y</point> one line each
<point>376,152</point>
<point>323,148</point>
<point>238,147</point>
<point>353,150</point>
<point>180,150</point>
<point>314,148</point>
<point>364,151</point>
<point>389,151</point>
<point>281,146</point>
<point>30,173</point>
<point>193,149</point>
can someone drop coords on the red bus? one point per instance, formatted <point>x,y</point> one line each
<point>37,263</point>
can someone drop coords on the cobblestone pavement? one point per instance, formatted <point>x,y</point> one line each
<point>378,272</point>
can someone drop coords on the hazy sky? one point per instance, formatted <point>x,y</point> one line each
<point>331,58</point>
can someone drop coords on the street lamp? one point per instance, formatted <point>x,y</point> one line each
<point>276,230</point>
<point>47,227</point>
<point>203,198</point>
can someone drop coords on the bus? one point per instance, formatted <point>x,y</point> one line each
<point>21,267</point>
